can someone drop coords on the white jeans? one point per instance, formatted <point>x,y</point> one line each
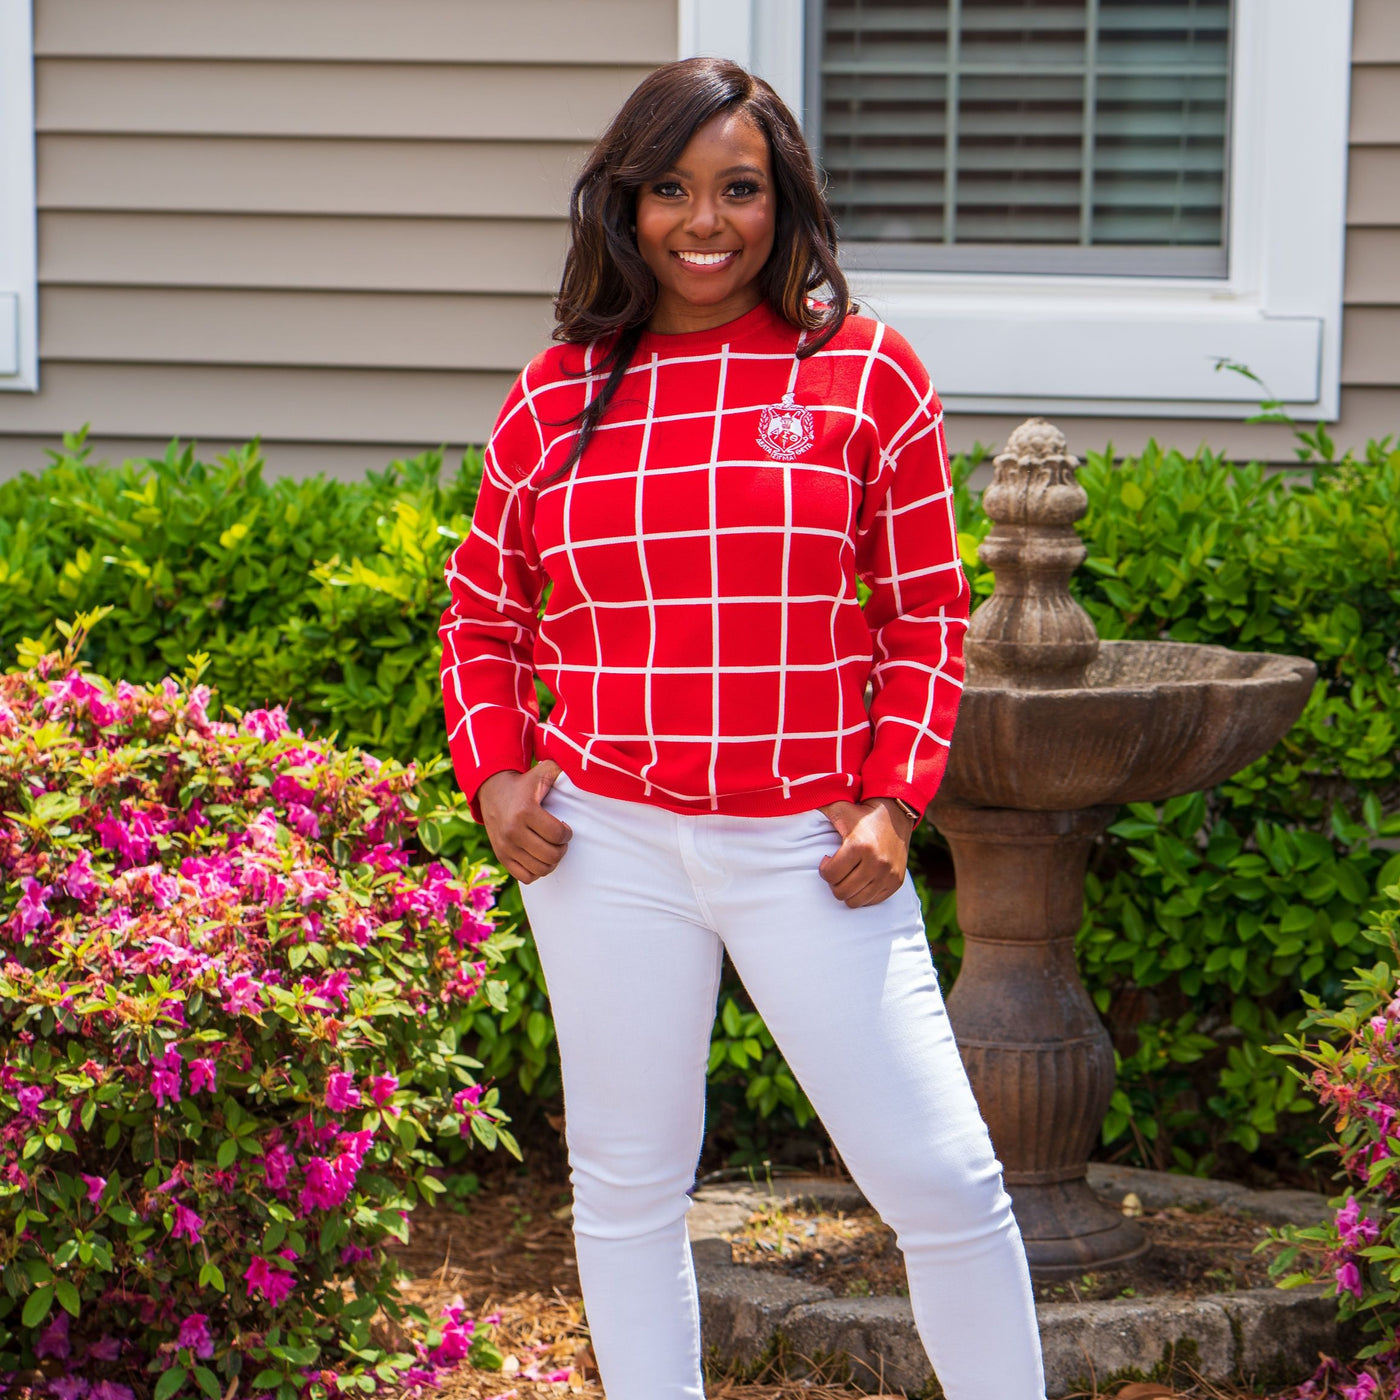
<point>631,927</point>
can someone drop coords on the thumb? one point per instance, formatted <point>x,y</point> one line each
<point>842,816</point>
<point>547,772</point>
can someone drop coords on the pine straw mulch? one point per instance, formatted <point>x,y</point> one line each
<point>511,1251</point>
<point>853,1253</point>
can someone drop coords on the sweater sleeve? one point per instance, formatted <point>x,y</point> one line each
<point>907,554</point>
<point>495,584</point>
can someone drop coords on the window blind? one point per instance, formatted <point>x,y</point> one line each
<point>1025,135</point>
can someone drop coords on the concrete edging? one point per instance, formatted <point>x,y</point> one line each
<point>1264,1334</point>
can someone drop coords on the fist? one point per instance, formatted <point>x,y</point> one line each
<point>528,841</point>
<point>874,853</point>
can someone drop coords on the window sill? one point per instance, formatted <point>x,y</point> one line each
<point>1096,345</point>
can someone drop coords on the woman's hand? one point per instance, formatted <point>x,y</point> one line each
<point>869,867</point>
<point>527,840</point>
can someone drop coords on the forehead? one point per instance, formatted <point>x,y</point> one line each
<point>728,138</point>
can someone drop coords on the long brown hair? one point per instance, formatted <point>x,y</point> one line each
<point>607,288</point>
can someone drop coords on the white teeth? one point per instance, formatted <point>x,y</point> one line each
<point>704,259</point>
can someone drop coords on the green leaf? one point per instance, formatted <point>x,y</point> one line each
<point>36,1309</point>
<point>208,1382</point>
<point>67,1296</point>
<point>210,1276</point>
<point>170,1382</point>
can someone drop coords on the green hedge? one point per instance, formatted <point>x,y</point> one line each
<point>1207,916</point>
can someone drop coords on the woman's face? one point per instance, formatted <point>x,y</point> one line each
<point>705,228</point>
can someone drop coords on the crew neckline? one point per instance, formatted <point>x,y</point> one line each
<point>752,321</point>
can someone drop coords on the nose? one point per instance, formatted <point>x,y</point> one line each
<point>705,218</point>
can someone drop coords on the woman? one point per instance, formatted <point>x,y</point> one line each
<point>698,475</point>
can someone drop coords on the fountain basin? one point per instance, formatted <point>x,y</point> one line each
<point>1153,719</point>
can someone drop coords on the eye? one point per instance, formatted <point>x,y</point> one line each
<point>743,189</point>
<point>667,189</point>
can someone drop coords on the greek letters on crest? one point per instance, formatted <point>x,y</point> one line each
<point>785,429</point>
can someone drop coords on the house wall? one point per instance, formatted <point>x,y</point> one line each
<point>337,223</point>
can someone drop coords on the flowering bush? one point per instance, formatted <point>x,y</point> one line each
<point>227,1008</point>
<point>1352,1059</point>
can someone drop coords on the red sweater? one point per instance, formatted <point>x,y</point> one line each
<point>702,635</point>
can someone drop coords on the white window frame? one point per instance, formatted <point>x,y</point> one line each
<point>19,287</point>
<point>1140,346</point>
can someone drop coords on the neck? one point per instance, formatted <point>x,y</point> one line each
<point>675,316</point>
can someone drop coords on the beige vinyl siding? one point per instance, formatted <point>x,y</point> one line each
<point>337,224</point>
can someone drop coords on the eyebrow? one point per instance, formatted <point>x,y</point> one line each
<point>730,170</point>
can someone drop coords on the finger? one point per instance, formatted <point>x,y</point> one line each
<point>876,892</point>
<point>531,845</point>
<point>856,884</point>
<point>547,826</point>
<point>842,815</point>
<point>526,867</point>
<point>545,773</point>
<point>838,866</point>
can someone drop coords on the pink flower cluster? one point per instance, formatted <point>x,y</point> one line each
<point>213,923</point>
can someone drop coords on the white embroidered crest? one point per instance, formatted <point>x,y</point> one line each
<point>785,429</point>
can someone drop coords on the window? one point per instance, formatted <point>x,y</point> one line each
<point>1079,205</point>
<point>19,368</point>
<point>978,135</point>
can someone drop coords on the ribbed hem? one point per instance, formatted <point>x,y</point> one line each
<point>605,782</point>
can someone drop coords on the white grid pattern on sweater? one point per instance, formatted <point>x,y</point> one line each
<point>729,361</point>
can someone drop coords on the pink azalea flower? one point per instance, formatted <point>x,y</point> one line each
<point>194,1333</point>
<point>241,993</point>
<point>335,987</point>
<point>382,1088</point>
<point>1349,1278</point>
<point>111,1390</point>
<point>1364,1388</point>
<point>105,1349</point>
<point>201,1075</point>
<point>266,1279</point>
<point>187,1224</point>
<point>267,725</point>
<point>341,1093</point>
<point>96,1185</point>
<point>464,1101</point>
<point>78,881</point>
<point>69,1387</point>
<point>53,1340</point>
<point>196,707</point>
<point>354,1253</point>
<point>165,1077</point>
<point>32,911</point>
<point>277,1166</point>
<point>30,1096</point>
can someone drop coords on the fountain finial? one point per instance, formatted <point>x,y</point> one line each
<point>1031,634</point>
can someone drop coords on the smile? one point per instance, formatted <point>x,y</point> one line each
<point>706,259</point>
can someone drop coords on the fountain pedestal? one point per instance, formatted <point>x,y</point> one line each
<point>1055,729</point>
<point>1037,1053</point>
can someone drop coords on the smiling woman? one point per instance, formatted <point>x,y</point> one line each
<point>698,479</point>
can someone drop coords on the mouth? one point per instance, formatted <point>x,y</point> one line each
<point>694,258</point>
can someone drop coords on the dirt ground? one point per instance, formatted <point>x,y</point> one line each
<point>510,1250</point>
<point>854,1254</point>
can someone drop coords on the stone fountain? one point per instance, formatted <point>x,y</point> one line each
<point>1055,729</point>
